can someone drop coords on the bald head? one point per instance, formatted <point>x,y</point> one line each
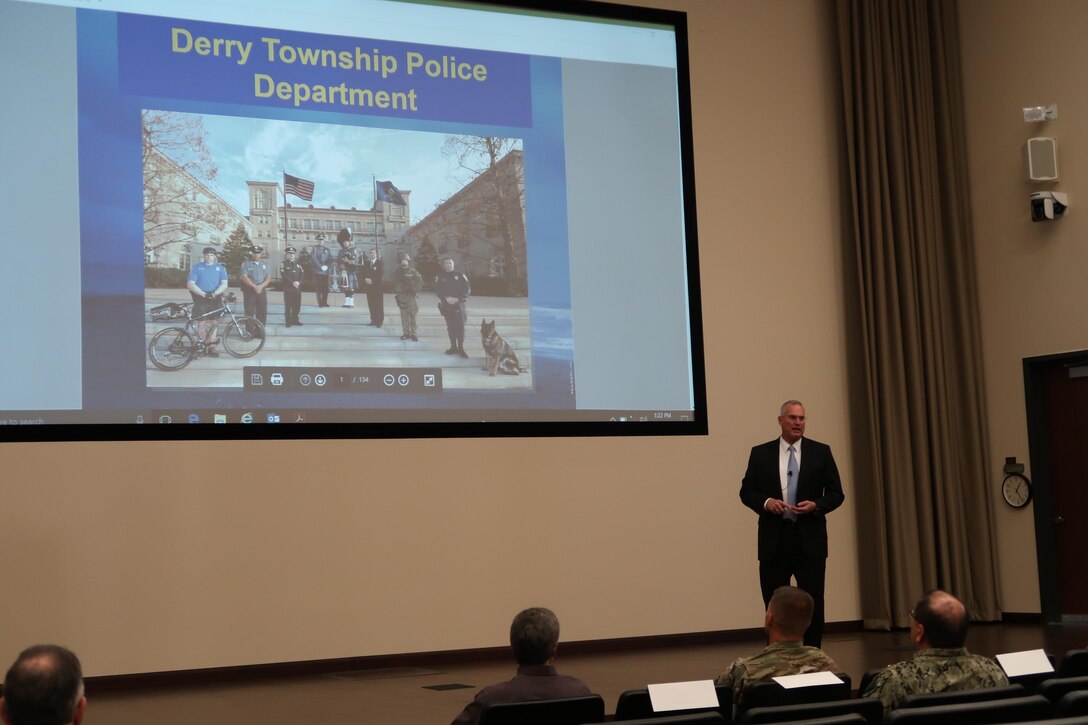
<point>44,687</point>
<point>789,613</point>
<point>943,619</point>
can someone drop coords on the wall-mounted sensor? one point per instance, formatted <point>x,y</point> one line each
<point>1048,205</point>
<point>1038,114</point>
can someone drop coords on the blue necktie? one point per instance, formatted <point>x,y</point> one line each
<point>791,484</point>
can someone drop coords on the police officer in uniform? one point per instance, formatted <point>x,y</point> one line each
<point>207,280</point>
<point>453,289</point>
<point>291,274</point>
<point>321,259</point>
<point>255,279</point>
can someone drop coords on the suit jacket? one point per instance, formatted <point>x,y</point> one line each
<point>817,480</point>
<point>374,272</point>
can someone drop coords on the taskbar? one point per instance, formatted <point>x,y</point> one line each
<point>294,416</point>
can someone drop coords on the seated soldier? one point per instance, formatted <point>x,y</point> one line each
<point>938,629</point>
<point>788,615</point>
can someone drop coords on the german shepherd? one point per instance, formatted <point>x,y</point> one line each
<point>500,356</point>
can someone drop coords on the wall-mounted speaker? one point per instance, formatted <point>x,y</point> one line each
<point>1041,157</point>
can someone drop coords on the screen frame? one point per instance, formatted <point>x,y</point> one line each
<point>697,425</point>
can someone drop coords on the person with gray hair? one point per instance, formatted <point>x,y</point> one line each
<point>534,638</point>
<point>792,483</point>
<point>44,687</point>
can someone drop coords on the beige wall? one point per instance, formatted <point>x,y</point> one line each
<point>108,548</point>
<point>1031,276</point>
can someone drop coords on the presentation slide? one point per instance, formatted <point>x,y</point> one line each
<point>360,212</point>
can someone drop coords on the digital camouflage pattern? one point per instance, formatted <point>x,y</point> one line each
<point>934,670</point>
<point>776,660</point>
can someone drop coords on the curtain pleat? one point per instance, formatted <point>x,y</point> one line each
<point>927,519</point>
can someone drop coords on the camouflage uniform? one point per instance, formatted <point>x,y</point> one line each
<point>776,660</point>
<point>934,670</point>
<point>407,283</point>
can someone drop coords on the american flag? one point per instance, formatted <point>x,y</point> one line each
<point>299,187</point>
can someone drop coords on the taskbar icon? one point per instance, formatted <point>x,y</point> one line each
<point>220,417</point>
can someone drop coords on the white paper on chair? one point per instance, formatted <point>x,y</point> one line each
<point>669,696</point>
<point>808,679</point>
<point>1028,662</point>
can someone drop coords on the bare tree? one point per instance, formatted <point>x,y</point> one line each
<point>177,165</point>
<point>498,211</point>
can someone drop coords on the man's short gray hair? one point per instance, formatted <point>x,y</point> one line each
<point>788,403</point>
<point>534,634</point>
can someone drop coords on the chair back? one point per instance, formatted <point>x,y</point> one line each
<point>768,693</point>
<point>564,711</point>
<point>636,704</point>
<point>929,699</point>
<point>1073,704</point>
<point>709,717</point>
<point>866,678</point>
<point>1018,709</point>
<point>871,710</point>
<point>846,719</point>
<point>1056,687</point>
<point>1074,663</point>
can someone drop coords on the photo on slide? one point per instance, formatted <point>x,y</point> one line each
<point>324,199</point>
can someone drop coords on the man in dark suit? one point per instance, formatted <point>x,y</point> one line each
<point>370,277</point>
<point>793,483</point>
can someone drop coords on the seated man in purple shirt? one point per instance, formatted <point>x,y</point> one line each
<point>534,636</point>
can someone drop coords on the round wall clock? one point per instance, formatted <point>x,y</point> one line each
<point>1016,488</point>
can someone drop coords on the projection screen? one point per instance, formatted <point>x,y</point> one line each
<point>347,218</point>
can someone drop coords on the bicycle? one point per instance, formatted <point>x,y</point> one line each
<point>173,348</point>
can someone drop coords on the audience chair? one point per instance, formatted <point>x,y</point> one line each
<point>713,718</point>
<point>866,678</point>
<point>870,708</point>
<point>1073,704</point>
<point>930,699</point>
<point>635,704</point>
<point>1074,663</point>
<point>707,717</point>
<point>1055,688</point>
<point>1083,720</point>
<point>846,719</point>
<point>565,711</point>
<point>1019,709</point>
<point>768,693</point>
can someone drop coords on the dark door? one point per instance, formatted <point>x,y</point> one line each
<point>1067,401</point>
<point>1057,400</point>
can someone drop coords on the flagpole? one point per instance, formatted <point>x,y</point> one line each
<point>374,188</point>
<point>284,191</point>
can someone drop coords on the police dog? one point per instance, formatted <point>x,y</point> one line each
<point>500,356</point>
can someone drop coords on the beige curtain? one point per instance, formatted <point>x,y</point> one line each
<point>925,506</point>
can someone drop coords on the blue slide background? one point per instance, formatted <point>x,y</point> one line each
<point>111,214</point>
